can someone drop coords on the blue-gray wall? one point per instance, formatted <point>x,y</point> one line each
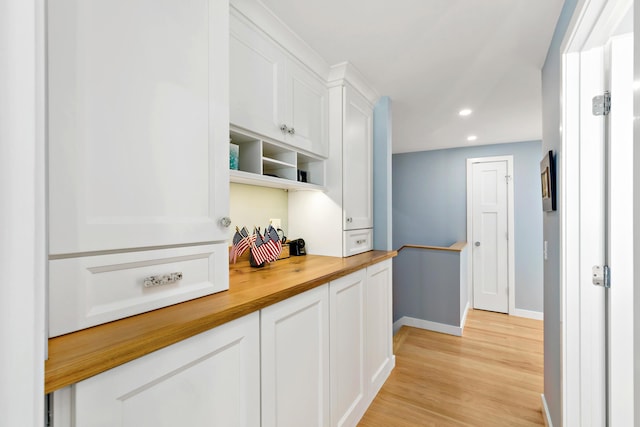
<point>430,206</point>
<point>427,286</point>
<point>551,140</point>
<point>382,140</point>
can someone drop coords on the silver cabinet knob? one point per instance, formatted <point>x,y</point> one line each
<point>477,243</point>
<point>349,219</point>
<point>284,128</point>
<point>225,221</point>
<point>291,131</point>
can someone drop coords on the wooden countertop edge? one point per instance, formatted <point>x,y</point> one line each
<point>80,355</point>
<point>456,247</point>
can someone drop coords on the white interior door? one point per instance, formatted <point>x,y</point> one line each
<point>490,236</point>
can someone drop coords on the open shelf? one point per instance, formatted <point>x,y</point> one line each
<point>269,163</point>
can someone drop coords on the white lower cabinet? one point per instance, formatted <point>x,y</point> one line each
<point>347,332</point>
<point>295,361</point>
<point>212,379</point>
<point>361,341</point>
<point>379,326</point>
<point>316,359</point>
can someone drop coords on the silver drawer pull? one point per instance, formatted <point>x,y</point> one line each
<point>361,241</point>
<point>165,279</point>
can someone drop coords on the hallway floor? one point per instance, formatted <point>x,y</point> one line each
<point>491,376</point>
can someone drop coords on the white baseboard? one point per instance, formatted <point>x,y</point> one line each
<point>529,314</point>
<point>464,317</point>
<point>428,325</point>
<point>545,412</point>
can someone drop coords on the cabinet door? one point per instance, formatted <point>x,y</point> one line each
<point>357,161</point>
<point>210,379</point>
<point>307,110</point>
<point>379,327</point>
<point>346,320</point>
<point>138,123</point>
<point>257,80</point>
<point>295,361</point>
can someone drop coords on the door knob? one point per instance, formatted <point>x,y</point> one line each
<point>477,243</point>
<point>225,221</point>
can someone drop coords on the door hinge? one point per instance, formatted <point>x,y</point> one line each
<point>601,276</point>
<point>601,104</point>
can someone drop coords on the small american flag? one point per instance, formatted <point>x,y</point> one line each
<point>272,243</point>
<point>241,242</point>
<point>258,249</point>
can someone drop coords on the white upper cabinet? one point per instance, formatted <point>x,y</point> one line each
<point>307,101</point>
<point>138,123</point>
<point>357,161</point>
<point>271,94</point>
<point>257,80</point>
<point>340,221</point>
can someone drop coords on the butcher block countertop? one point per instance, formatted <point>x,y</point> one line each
<point>83,354</point>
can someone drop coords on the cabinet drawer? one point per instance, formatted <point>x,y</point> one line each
<point>357,241</point>
<point>88,291</point>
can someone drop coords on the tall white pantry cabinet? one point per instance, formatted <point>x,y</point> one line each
<point>138,128</point>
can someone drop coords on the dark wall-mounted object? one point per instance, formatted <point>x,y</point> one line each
<point>548,182</point>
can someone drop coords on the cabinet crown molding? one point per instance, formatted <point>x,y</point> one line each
<point>345,71</point>
<point>268,22</point>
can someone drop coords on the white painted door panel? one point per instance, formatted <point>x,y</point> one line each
<point>347,333</point>
<point>257,81</point>
<point>210,379</point>
<point>490,258</point>
<point>308,103</point>
<point>295,361</point>
<point>379,325</point>
<point>138,123</point>
<point>357,161</point>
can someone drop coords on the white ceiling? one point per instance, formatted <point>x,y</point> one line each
<point>435,57</point>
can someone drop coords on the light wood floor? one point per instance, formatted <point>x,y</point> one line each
<point>491,376</point>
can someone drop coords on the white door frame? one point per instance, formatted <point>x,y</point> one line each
<point>510,230</point>
<point>590,26</point>
<point>22,217</point>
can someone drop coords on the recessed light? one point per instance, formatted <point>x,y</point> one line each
<point>465,112</point>
<point>472,138</point>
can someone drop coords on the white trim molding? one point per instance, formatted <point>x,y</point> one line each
<point>529,314</point>
<point>511,275</point>
<point>342,71</point>
<point>463,319</point>
<point>546,416</point>
<point>428,325</point>
<point>273,27</point>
